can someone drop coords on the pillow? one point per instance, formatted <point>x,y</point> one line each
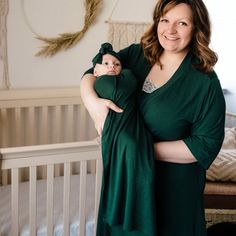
<point>224,166</point>
<point>230,138</point>
<point>230,120</point>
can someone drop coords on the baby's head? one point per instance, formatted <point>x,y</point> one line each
<point>109,60</point>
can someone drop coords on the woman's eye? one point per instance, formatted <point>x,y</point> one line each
<point>183,23</point>
<point>163,20</point>
<point>117,64</point>
<point>106,63</point>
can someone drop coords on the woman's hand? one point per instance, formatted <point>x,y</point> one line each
<point>99,111</point>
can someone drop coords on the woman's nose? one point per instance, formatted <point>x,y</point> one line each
<point>172,28</point>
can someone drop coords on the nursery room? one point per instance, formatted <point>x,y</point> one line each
<point>50,151</point>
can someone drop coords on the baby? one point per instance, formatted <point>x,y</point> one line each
<point>127,194</point>
<point>107,64</point>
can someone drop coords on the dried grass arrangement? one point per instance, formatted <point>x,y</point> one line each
<point>67,40</point>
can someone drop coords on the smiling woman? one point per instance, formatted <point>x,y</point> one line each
<point>185,112</point>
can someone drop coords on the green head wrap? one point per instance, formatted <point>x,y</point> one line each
<point>106,48</point>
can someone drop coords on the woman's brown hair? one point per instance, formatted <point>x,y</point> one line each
<point>199,45</point>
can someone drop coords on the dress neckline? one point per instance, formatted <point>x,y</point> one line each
<point>149,87</point>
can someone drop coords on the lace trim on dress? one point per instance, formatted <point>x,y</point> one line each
<point>148,86</point>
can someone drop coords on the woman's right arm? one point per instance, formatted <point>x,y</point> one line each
<point>98,108</point>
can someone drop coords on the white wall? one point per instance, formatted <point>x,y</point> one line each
<point>223,16</point>
<point>51,17</point>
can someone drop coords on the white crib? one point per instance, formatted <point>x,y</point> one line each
<point>57,124</point>
<point>43,116</point>
<point>50,176</point>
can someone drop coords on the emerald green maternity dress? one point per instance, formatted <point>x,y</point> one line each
<point>127,203</point>
<point>189,107</point>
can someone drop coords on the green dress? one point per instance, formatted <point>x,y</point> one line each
<point>127,203</point>
<point>191,107</point>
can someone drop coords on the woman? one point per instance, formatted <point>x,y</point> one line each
<point>127,154</point>
<point>182,105</point>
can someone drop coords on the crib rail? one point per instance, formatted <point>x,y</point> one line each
<point>50,155</point>
<point>43,116</point>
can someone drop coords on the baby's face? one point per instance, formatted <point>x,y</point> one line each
<point>111,65</point>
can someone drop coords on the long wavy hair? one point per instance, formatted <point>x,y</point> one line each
<point>199,44</point>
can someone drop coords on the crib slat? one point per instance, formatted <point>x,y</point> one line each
<point>66,198</point>
<point>82,197</point>
<point>56,122</point>
<point>83,122</point>
<point>17,122</point>
<point>98,183</point>
<point>31,127</point>
<point>1,128</point>
<point>4,128</point>
<point>32,201</point>
<point>50,180</point>
<point>15,201</point>
<point>68,123</point>
<point>44,136</point>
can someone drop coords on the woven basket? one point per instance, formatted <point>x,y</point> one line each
<point>215,216</point>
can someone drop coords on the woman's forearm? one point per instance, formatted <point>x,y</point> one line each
<point>97,107</point>
<point>87,91</point>
<point>173,151</point>
<point>97,110</point>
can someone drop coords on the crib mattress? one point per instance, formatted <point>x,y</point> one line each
<point>5,208</point>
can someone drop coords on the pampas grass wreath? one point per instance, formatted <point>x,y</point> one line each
<point>67,40</point>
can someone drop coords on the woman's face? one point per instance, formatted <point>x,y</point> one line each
<point>175,29</point>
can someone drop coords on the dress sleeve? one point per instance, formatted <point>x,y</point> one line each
<point>89,71</point>
<point>207,132</point>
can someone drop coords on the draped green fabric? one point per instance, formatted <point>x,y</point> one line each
<point>127,204</point>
